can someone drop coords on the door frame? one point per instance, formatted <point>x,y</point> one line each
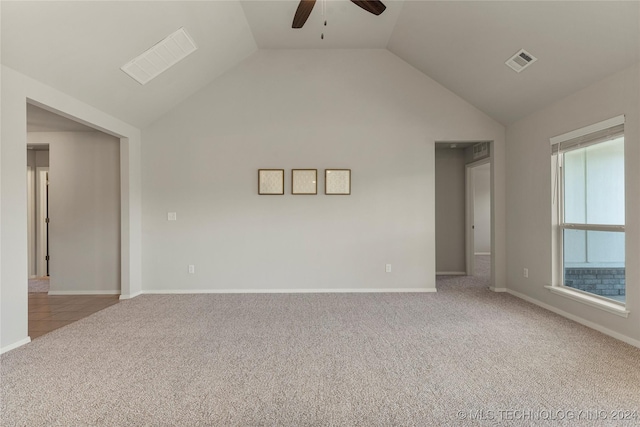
<point>42,177</point>
<point>31,221</point>
<point>469,216</point>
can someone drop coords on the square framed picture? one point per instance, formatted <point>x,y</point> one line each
<point>304,181</point>
<point>337,181</point>
<point>271,181</point>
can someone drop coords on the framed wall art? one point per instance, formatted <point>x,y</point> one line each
<point>271,181</point>
<point>337,181</point>
<point>304,181</point>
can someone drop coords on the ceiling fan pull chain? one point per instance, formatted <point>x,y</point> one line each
<point>305,7</point>
<point>324,11</point>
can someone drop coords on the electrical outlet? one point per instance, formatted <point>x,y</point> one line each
<point>387,268</point>
<point>192,269</point>
<point>172,216</point>
<point>526,273</point>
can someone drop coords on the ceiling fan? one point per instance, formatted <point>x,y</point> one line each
<point>306,6</point>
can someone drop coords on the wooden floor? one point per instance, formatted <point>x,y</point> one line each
<point>50,312</point>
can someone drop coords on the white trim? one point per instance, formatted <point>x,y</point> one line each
<point>469,232</point>
<point>491,288</point>
<point>587,323</point>
<point>605,124</point>
<point>480,162</point>
<point>592,301</point>
<point>593,227</point>
<point>451,273</point>
<point>31,220</point>
<point>15,345</point>
<point>482,253</point>
<point>130,296</point>
<point>84,292</point>
<point>285,291</point>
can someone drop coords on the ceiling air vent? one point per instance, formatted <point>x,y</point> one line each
<point>160,57</point>
<point>521,60</point>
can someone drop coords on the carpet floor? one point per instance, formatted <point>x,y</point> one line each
<point>39,285</point>
<point>462,356</point>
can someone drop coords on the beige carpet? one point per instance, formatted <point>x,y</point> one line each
<point>319,360</point>
<point>39,285</point>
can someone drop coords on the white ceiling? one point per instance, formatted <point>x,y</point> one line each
<point>78,47</point>
<point>40,120</point>
<point>463,46</point>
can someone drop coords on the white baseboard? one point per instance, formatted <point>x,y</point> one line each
<point>587,323</point>
<point>15,345</point>
<point>284,291</point>
<point>451,273</point>
<point>482,253</point>
<point>84,292</point>
<point>498,289</point>
<point>130,296</point>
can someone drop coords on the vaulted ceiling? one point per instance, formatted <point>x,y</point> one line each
<point>78,47</point>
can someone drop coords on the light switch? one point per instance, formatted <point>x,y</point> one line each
<point>172,216</point>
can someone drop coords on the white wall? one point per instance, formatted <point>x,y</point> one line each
<point>450,210</point>
<point>31,158</point>
<point>13,288</point>
<point>482,208</point>
<point>16,90</point>
<point>84,211</point>
<point>38,158</point>
<point>360,109</point>
<point>529,195</point>
<point>317,85</point>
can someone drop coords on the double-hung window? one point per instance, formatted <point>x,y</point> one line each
<point>589,205</point>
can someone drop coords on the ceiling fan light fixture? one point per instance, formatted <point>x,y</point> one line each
<point>305,7</point>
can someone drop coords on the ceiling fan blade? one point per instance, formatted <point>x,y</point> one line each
<point>372,6</point>
<point>302,13</point>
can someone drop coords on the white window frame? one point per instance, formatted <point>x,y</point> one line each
<point>573,139</point>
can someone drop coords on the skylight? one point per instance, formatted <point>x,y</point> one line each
<point>160,57</point>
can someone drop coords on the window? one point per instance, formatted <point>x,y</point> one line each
<point>590,210</point>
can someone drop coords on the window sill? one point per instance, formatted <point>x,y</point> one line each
<point>607,306</point>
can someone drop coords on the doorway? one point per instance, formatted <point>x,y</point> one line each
<point>37,217</point>
<point>464,217</point>
<point>73,176</point>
